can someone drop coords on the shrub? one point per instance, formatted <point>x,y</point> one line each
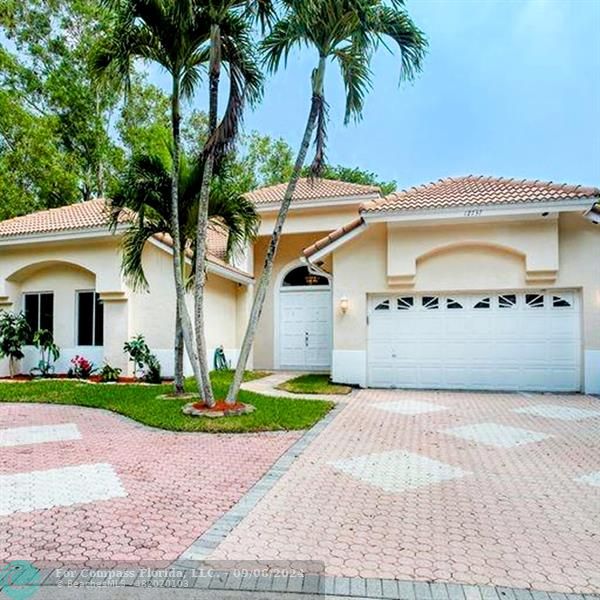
<point>14,334</point>
<point>82,368</point>
<point>43,340</point>
<point>109,374</point>
<point>144,361</point>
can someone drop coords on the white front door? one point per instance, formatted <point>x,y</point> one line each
<point>305,329</point>
<point>489,341</point>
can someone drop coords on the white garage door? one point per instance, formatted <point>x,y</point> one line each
<point>490,341</point>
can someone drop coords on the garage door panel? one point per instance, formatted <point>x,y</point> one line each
<point>527,345</point>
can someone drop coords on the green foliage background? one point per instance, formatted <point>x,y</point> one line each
<point>65,139</point>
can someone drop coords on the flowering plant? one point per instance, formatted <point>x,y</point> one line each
<point>82,368</point>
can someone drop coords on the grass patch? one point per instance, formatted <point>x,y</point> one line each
<point>140,402</point>
<point>313,384</point>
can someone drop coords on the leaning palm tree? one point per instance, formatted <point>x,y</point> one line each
<point>231,35</point>
<point>346,32</point>
<point>176,35</point>
<point>144,193</point>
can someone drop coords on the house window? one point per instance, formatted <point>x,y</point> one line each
<point>430,302</point>
<point>39,311</point>
<point>301,276</point>
<point>452,303</point>
<point>507,301</point>
<point>534,300</point>
<point>405,303</point>
<point>483,303</point>
<point>560,302</point>
<point>385,305</point>
<point>90,319</point>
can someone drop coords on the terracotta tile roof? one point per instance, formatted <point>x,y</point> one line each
<point>93,215</point>
<point>82,215</point>
<point>311,189</point>
<point>332,237</point>
<point>475,191</point>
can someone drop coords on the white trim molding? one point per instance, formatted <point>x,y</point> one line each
<point>329,202</point>
<point>320,254</point>
<point>479,212</point>
<point>213,267</point>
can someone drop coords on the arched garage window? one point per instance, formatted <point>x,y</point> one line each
<point>302,276</point>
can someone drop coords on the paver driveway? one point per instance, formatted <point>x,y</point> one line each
<point>472,488</point>
<point>83,486</point>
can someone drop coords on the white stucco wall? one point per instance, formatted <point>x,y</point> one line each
<point>67,267</point>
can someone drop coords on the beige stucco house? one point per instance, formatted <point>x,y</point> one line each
<point>466,283</point>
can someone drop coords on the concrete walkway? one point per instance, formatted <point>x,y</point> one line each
<point>268,387</point>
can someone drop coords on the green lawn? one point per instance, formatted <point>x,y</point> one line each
<point>140,402</point>
<point>313,384</point>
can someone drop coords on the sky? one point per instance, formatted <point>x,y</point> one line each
<point>509,88</point>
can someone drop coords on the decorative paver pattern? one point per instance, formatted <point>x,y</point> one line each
<point>66,486</point>
<point>556,411</point>
<point>590,479</point>
<point>397,471</point>
<point>17,436</point>
<point>492,434</point>
<point>177,485</point>
<point>518,519</point>
<point>409,407</point>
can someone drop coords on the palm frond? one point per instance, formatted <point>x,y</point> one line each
<point>354,66</point>
<point>286,34</point>
<point>132,247</point>
<point>394,23</point>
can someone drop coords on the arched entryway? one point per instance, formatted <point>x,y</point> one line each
<point>304,320</point>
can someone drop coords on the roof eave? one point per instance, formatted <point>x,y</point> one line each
<point>479,210</point>
<point>60,235</point>
<point>330,201</point>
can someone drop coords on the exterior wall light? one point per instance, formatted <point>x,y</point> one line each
<point>344,304</point>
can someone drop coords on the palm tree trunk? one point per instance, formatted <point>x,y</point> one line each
<point>178,382</point>
<point>178,251</point>
<point>200,278</point>
<point>265,277</point>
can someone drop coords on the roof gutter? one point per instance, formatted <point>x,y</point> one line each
<point>479,211</point>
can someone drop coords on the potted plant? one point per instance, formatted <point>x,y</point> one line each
<point>14,334</point>
<point>49,353</point>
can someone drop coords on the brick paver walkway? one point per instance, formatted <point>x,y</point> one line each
<point>82,485</point>
<point>474,488</point>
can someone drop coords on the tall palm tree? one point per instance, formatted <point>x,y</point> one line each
<point>145,191</point>
<point>231,34</point>
<point>176,35</point>
<point>346,32</point>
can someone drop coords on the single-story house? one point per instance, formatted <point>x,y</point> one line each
<point>464,283</point>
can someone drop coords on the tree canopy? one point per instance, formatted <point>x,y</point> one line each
<point>64,139</point>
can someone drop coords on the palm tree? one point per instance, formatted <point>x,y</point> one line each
<point>346,32</point>
<point>176,35</point>
<point>231,35</point>
<point>145,192</point>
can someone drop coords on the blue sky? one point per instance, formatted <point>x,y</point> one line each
<point>509,87</point>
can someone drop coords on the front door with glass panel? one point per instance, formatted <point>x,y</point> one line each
<point>305,321</point>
